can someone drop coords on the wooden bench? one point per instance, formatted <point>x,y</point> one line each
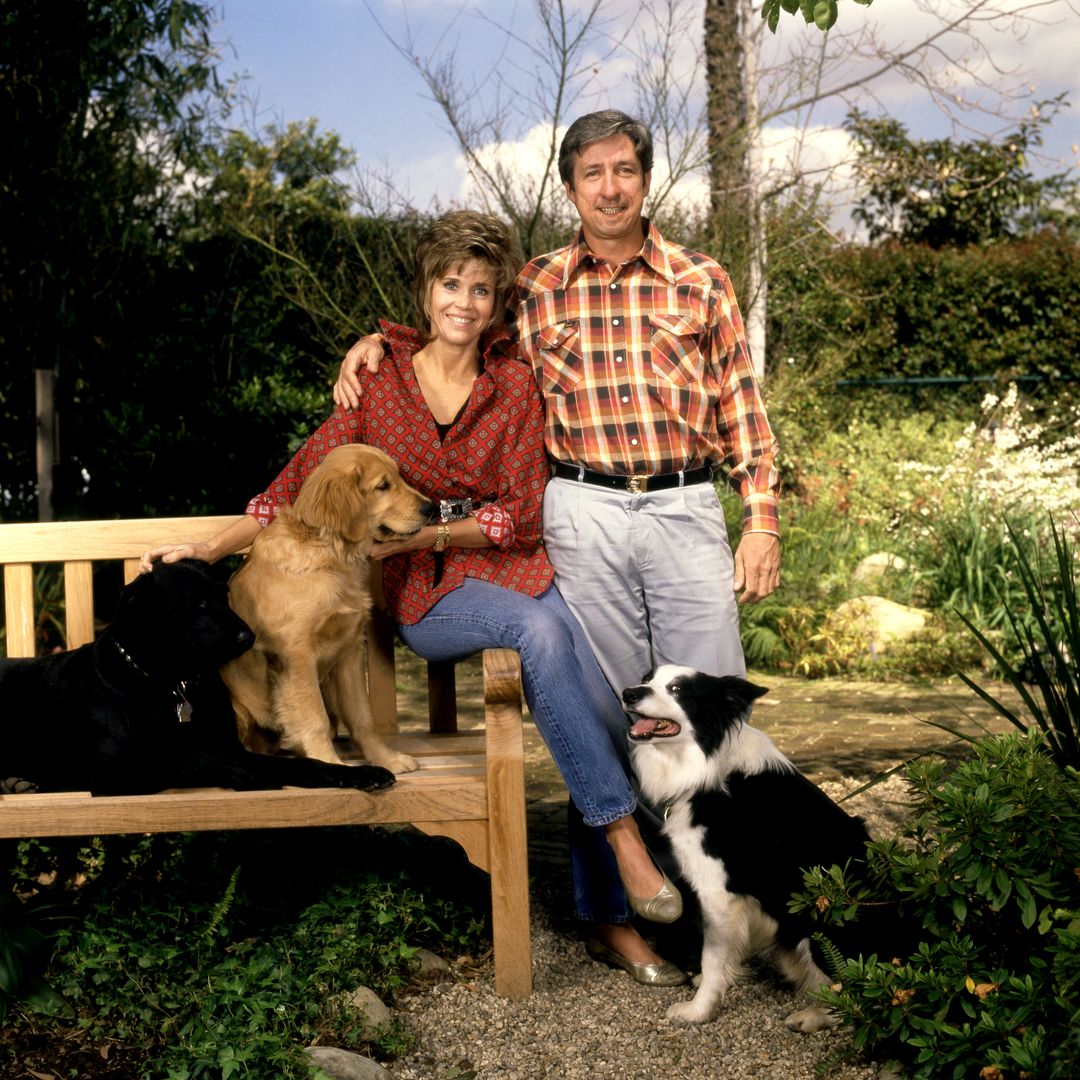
<point>470,784</point>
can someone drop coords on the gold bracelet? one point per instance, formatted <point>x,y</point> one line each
<point>442,537</point>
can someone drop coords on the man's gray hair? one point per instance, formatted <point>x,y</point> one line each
<point>597,126</point>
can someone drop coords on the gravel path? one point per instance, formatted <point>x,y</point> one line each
<point>585,1021</point>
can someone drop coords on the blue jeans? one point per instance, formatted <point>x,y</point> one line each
<point>574,709</point>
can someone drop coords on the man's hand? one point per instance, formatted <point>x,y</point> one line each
<point>757,566</point>
<point>366,353</point>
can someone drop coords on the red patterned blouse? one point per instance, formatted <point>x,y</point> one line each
<point>493,452</point>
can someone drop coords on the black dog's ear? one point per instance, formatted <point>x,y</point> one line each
<point>131,595</point>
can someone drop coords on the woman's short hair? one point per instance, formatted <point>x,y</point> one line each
<point>595,127</point>
<point>454,239</point>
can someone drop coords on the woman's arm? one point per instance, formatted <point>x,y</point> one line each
<point>231,539</point>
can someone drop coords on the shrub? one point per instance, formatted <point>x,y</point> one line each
<point>990,869</point>
<point>220,955</point>
<point>1000,312</point>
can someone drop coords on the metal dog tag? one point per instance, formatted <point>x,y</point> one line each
<point>183,706</point>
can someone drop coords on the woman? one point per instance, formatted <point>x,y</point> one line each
<point>463,418</point>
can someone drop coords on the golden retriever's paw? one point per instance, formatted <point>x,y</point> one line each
<point>689,1012</point>
<point>812,1019</point>
<point>397,763</point>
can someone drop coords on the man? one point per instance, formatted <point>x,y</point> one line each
<point>639,348</point>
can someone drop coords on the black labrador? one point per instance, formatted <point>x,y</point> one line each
<point>142,708</point>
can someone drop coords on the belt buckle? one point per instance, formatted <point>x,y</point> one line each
<point>637,483</point>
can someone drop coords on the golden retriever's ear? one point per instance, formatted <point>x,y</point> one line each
<point>331,499</point>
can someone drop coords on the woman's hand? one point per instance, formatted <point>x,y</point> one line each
<point>173,553</point>
<point>425,538</point>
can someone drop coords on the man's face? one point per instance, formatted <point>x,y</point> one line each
<point>609,192</point>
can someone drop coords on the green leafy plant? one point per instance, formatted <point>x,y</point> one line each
<point>198,957</point>
<point>1050,644</point>
<point>27,935</point>
<point>989,872</point>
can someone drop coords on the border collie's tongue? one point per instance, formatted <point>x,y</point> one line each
<point>648,727</point>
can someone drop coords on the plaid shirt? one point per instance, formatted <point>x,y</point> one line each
<point>494,453</point>
<point>646,370</point>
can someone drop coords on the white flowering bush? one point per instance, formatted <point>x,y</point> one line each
<point>1012,465</point>
<point>1010,461</point>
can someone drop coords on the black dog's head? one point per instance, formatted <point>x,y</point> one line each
<point>674,703</point>
<point>176,622</point>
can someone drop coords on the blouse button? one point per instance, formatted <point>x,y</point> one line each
<point>618,359</point>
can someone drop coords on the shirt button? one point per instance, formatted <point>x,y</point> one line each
<point>618,359</point>
<point>615,322</point>
<point>613,285</point>
<point>625,400</point>
<point>633,442</point>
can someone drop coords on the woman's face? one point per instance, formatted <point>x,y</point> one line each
<point>462,303</point>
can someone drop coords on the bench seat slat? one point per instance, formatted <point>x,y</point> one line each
<point>216,809</point>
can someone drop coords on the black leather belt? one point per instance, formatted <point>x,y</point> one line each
<point>635,484</point>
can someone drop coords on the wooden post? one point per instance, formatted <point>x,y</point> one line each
<point>506,823</point>
<point>45,415</point>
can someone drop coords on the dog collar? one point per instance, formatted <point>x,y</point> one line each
<point>183,706</point>
<point>127,658</point>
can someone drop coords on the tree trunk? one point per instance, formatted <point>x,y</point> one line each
<point>757,278</point>
<point>725,108</point>
<point>735,158</point>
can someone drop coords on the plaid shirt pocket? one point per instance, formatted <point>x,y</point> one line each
<point>560,354</point>
<point>675,347</point>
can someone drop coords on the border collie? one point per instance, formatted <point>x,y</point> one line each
<point>743,824</point>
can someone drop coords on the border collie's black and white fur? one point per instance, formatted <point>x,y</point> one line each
<point>743,823</point>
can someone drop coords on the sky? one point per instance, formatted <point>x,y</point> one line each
<point>334,60</point>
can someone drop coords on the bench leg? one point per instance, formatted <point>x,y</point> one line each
<point>507,839</point>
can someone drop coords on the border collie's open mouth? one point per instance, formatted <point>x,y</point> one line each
<point>653,727</point>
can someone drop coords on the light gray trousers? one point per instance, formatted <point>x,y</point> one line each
<point>649,577</point>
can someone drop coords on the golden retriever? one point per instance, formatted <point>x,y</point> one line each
<point>304,590</point>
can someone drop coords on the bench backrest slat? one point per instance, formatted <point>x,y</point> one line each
<point>19,609</point>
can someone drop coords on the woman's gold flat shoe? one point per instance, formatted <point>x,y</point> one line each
<point>664,907</point>
<point>662,974</point>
